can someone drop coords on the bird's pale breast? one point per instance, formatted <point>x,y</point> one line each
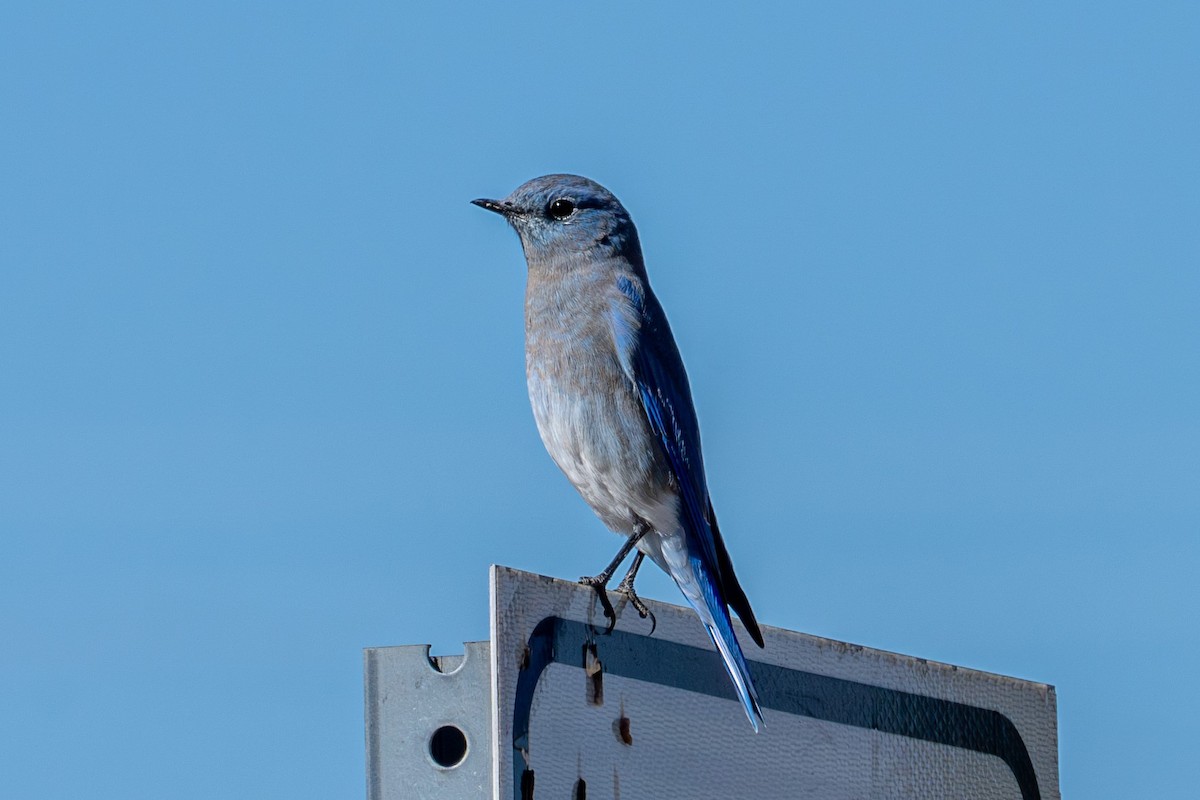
<point>587,411</point>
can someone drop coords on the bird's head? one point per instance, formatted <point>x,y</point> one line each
<point>558,215</point>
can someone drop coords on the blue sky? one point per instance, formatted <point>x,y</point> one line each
<point>934,269</point>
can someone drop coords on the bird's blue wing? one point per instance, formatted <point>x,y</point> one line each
<point>652,362</point>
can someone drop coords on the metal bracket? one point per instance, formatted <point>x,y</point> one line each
<point>429,723</point>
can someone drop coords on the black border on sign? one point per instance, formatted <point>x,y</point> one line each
<point>632,655</point>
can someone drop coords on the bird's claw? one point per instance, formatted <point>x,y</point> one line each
<point>600,585</point>
<point>638,604</point>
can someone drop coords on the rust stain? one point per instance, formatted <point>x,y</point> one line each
<point>621,728</point>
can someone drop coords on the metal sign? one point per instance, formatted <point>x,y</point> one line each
<point>577,711</point>
<point>582,712</point>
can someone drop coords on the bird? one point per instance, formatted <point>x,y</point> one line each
<point>613,404</point>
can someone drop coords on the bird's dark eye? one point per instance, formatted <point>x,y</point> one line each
<point>560,208</point>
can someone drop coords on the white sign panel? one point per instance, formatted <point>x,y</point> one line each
<point>583,712</point>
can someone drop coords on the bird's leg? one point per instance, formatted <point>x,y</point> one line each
<point>625,587</point>
<point>600,582</point>
<point>606,575</point>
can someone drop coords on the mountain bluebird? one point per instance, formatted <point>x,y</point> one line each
<point>612,402</point>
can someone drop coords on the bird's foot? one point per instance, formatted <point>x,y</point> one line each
<point>625,587</point>
<point>600,584</point>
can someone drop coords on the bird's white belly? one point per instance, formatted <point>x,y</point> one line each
<point>603,450</point>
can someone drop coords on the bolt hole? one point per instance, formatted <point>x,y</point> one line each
<point>448,746</point>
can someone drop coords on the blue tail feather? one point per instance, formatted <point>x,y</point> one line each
<point>716,620</point>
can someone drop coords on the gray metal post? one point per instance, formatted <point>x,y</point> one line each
<point>429,723</point>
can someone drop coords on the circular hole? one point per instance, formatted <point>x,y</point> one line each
<point>448,746</point>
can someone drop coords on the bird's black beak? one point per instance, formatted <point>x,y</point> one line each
<point>504,209</point>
